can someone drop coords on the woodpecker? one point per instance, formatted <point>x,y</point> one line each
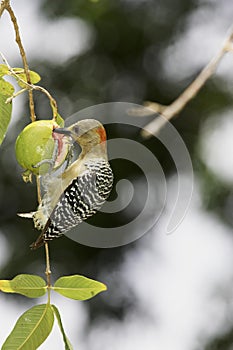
<point>81,190</point>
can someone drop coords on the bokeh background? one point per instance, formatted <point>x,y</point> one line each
<point>170,292</point>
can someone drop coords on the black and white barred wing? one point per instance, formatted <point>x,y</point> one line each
<point>81,199</point>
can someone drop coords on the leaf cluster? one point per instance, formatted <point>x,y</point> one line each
<point>7,93</point>
<point>35,325</point>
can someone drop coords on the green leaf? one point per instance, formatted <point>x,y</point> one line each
<point>68,345</point>
<point>35,78</point>
<point>29,285</point>
<point>6,89</point>
<point>78,287</point>
<point>3,70</point>
<point>31,329</point>
<point>5,115</point>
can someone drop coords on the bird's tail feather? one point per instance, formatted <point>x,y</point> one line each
<point>27,215</point>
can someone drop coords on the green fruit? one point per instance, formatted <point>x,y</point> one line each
<point>36,143</point>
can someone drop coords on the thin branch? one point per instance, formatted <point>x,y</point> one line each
<point>29,87</point>
<point>48,269</point>
<point>170,111</point>
<point>9,100</point>
<point>52,101</point>
<point>5,5</point>
<point>47,258</point>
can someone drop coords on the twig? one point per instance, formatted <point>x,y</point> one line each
<point>9,100</point>
<point>47,259</point>
<point>48,270</point>
<point>5,5</point>
<point>170,111</point>
<point>52,101</point>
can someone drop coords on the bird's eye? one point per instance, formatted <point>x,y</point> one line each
<point>76,129</point>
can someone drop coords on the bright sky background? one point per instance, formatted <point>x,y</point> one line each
<point>182,282</point>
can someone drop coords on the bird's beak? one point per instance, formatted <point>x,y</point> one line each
<point>63,131</point>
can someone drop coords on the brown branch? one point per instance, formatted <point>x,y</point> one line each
<point>5,5</point>
<point>170,111</point>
